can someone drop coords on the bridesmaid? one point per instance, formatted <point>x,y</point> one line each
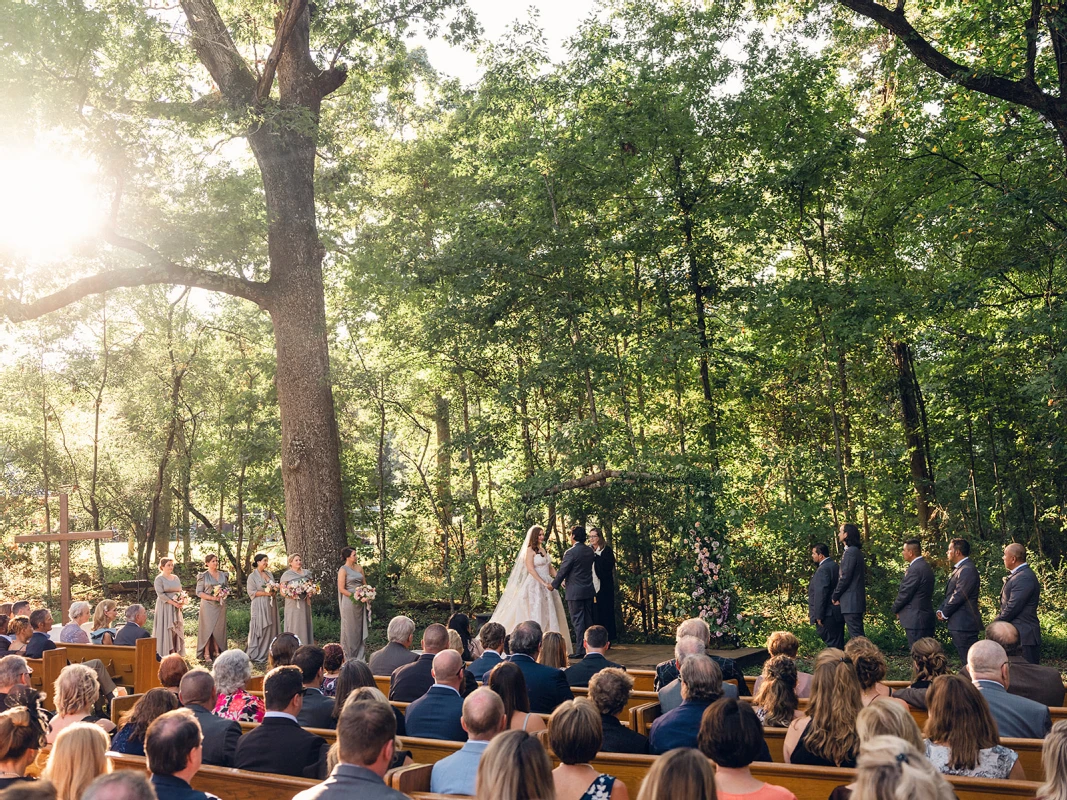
<point>211,635</point>
<point>169,625</point>
<point>297,612</point>
<point>263,625</point>
<point>353,615</point>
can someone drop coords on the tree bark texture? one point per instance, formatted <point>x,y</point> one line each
<point>921,470</point>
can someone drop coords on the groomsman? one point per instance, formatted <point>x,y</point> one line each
<point>960,609</point>
<point>1018,601</point>
<point>822,612</point>
<point>851,591</point>
<point>914,605</point>
<point>604,583</point>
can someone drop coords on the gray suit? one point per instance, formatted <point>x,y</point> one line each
<point>670,696</point>
<point>851,591</point>
<point>1018,605</point>
<point>348,781</point>
<point>391,658</point>
<point>577,569</point>
<point>820,591</point>
<point>1016,717</point>
<point>220,736</point>
<point>961,607</point>
<point>914,604</point>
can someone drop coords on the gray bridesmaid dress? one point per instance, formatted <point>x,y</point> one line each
<point>298,612</point>
<point>354,623</point>
<point>263,624</point>
<point>169,625</point>
<point>212,614</point>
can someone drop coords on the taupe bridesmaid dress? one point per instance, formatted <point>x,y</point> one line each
<point>212,615</point>
<point>354,622</point>
<point>169,625</point>
<point>263,625</point>
<point>298,612</point>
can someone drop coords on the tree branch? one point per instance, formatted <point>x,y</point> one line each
<point>1031,39</point>
<point>594,478</point>
<point>285,28</point>
<point>215,48</point>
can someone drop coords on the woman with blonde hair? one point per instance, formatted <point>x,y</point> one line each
<point>104,615</point>
<point>927,662</point>
<point>575,734</point>
<point>883,717</point>
<point>891,768</point>
<point>553,651</point>
<point>76,693</point>
<point>1054,761</point>
<point>961,734</point>
<point>78,758</point>
<point>681,773</point>
<point>22,736</point>
<point>784,643</point>
<point>297,609</point>
<point>826,737</point>
<point>515,766</point>
<point>775,700</point>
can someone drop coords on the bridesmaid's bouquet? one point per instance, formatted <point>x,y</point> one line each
<point>271,588</point>
<point>299,590</point>
<point>220,592</point>
<point>364,594</point>
<point>182,598</point>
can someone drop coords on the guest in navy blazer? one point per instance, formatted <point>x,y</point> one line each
<point>492,635</point>
<point>596,645</point>
<point>410,682</point>
<point>609,691</point>
<point>437,714</point>
<point>173,746</point>
<point>701,686</point>
<point>546,686</point>
<point>279,745</point>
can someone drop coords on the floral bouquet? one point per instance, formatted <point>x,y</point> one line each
<point>364,594</point>
<point>271,588</point>
<point>311,589</point>
<point>220,592</point>
<point>182,598</point>
<point>298,590</point>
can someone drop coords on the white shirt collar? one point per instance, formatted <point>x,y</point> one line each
<point>282,715</point>
<point>914,560</point>
<point>1017,568</point>
<point>958,563</point>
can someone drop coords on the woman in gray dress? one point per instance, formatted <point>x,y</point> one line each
<point>211,635</point>
<point>297,611</point>
<point>354,616</point>
<point>169,625</point>
<point>263,624</point>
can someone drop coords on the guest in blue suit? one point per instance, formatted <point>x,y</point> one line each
<point>483,718</point>
<point>436,715</point>
<point>1017,717</point>
<point>701,686</point>
<point>546,686</point>
<point>492,635</point>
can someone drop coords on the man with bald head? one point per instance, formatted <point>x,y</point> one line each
<point>436,715</point>
<point>1019,599</point>
<point>483,718</point>
<point>1043,685</point>
<point>1016,716</point>
<point>410,682</point>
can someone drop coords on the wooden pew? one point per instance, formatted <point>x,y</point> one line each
<point>228,783</point>
<point>120,705</point>
<point>135,668</point>
<point>37,678</point>
<point>644,679</point>
<point>255,683</point>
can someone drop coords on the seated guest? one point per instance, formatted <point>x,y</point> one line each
<point>171,670</point>
<point>233,670</point>
<point>870,668</point>
<point>41,622</point>
<point>553,651</point>
<point>279,745</point>
<point>1016,717</point>
<point>546,686</point>
<point>125,784</point>
<point>401,757</point>
<point>20,632</point>
<point>136,617</point>
<point>397,653</point>
<point>492,636</point>
<point>461,624</point>
<point>701,686</point>
<point>104,622</point>
<point>670,695</point>
<point>732,737</point>
<point>455,642</point>
<point>436,715</point>
<point>961,734</point>
<point>927,662</point>
<point>575,735</point>
<point>890,767</point>
<point>78,757</point>
<point>366,739</point>
<point>1054,762</point>
<point>21,737</point>
<point>198,694</point>
<point>1034,682</point>
<point>175,753</point>
<point>72,632</point>
<point>514,766</point>
<point>76,693</point>
<point>883,717</point>
<point>609,691</point>
<point>411,682</point>
<point>667,671</point>
<point>596,645</point>
<point>134,723</point>
<point>775,696</point>
<point>784,643</point>
<point>826,736</point>
<point>683,772</point>
<point>318,708</point>
<point>14,671</point>
<point>509,683</point>
<point>281,650</point>
<point>483,718</point>
<point>5,642</point>
<point>20,608</point>
<point>333,656</point>
<point>355,675</point>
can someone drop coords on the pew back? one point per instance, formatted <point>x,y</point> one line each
<point>228,783</point>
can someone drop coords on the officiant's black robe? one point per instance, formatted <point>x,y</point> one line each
<point>604,612</point>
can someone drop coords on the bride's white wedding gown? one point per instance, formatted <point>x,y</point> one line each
<point>529,600</point>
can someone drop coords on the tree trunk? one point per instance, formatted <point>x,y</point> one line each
<point>697,289</point>
<point>921,474</point>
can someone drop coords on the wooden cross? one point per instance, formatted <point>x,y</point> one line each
<point>64,537</point>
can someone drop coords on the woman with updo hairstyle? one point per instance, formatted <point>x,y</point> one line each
<point>134,723</point>
<point>297,610</point>
<point>515,766</point>
<point>775,700</point>
<point>211,625</point>
<point>681,773</point>
<point>927,662</point>
<point>870,668</point>
<point>78,757</point>
<point>104,616</point>
<point>263,618</point>
<point>169,623</point>
<point>171,671</point>
<point>333,657</point>
<point>20,631</point>
<point>784,643</point>
<point>826,736</point>
<point>281,651</point>
<point>891,768</point>
<point>73,633</point>
<point>22,735</point>
<point>355,615</point>
<point>507,680</point>
<point>1054,761</point>
<point>575,734</point>
<point>76,691</point>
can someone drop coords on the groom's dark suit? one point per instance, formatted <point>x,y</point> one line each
<point>577,570</point>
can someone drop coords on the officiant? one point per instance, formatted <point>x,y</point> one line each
<point>603,582</point>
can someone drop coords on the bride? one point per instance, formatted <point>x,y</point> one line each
<point>528,594</point>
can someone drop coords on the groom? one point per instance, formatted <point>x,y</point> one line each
<point>577,570</point>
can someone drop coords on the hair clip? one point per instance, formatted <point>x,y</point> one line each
<point>902,758</point>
